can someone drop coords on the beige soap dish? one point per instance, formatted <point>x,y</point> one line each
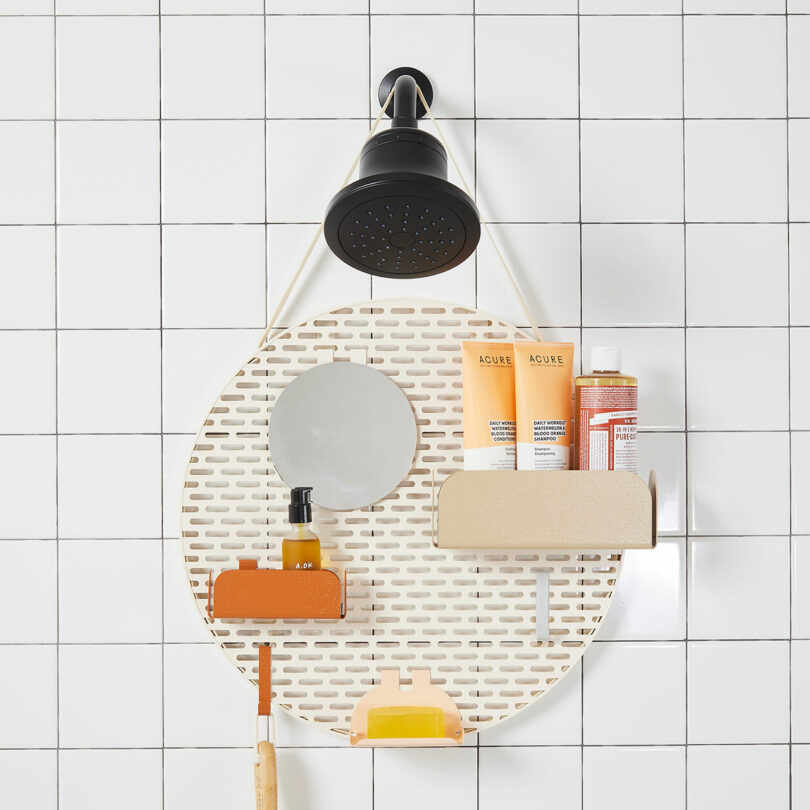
<point>422,697</point>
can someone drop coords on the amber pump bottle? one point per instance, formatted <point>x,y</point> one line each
<point>301,548</point>
<point>605,414</point>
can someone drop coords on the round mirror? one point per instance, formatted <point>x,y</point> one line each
<point>347,431</point>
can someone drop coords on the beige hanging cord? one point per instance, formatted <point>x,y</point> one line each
<point>318,233</point>
<point>484,225</point>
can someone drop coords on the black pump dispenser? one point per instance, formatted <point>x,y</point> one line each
<point>300,509</point>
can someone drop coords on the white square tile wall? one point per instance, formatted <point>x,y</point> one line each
<point>632,171</point>
<point>799,130</point>
<point>543,55</point>
<point>163,165</point>
<point>633,694</point>
<point>303,156</point>
<point>31,774</point>
<point>746,777</point>
<point>731,256</point>
<point>447,775</point>
<point>612,48</point>
<point>800,274</point>
<point>302,51</point>
<point>26,48</point>
<point>666,454</point>
<point>545,260</point>
<point>127,87</point>
<point>724,572</point>
<point>28,487</point>
<point>210,171</point>
<point>195,260</point>
<point>92,713</point>
<point>27,169</point>
<point>517,158</point>
<point>87,778</point>
<point>107,172</point>
<point>31,594</point>
<point>28,252</point>
<point>633,778</point>
<point>736,171</point>
<point>194,673</point>
<point>721,80</point>
<point>550,775</point>
<point>29,405</point>
<point>738,692</point>
<point>126,397</point>
<point>717,361</point>
<point>109,277</point>
<point>91,572</point>
<point>647,259</point>
<point>212,67</point>
<point>28,701</point>
<point>800,480</point>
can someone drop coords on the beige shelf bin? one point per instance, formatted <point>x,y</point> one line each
<point>546,510</point>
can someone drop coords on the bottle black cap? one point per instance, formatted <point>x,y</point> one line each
<point>300,510</point>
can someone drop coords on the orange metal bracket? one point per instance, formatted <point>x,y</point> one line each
<point>250,592</point>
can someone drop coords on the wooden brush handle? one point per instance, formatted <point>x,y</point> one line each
<point>266,778</point>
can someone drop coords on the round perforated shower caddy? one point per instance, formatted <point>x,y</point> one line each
<point>468,615</point>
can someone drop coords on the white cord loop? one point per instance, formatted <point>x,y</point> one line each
<point>498,253</point>
<point>318,233</point>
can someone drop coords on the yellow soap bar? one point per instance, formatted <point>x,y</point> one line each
<point>388,722</point>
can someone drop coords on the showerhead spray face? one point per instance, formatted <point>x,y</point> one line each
<point>402,218</point>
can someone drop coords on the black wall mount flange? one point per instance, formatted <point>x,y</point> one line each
<point>387,85</point>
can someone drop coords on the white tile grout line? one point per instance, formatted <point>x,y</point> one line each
<point>475,301</point>
<point>428,14</point>
<point>281,118</point>
<point>344,747</point>
<point>790,415</point>
<point>266,148</point>
<point>257,329</point>
<point>369,113</point>
<point>162,436</point>
<point>258,224</point>
<point>56,388</point>
<point>687,553</point>
<point>475,120</point>
<point>371,297</point>
<point>582,368</point>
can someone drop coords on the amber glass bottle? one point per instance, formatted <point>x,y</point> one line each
<point>605,415</point>
<point>301,548</point>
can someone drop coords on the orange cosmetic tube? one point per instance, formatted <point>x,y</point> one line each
<point>544,374</point>
<point>488,380</point>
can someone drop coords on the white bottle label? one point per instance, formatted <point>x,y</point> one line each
<point>532,456</point>
<point>500,457</point>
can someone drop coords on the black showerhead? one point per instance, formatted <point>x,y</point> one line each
<point>402,218</point>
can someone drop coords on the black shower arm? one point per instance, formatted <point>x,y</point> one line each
<point>404,102</point>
